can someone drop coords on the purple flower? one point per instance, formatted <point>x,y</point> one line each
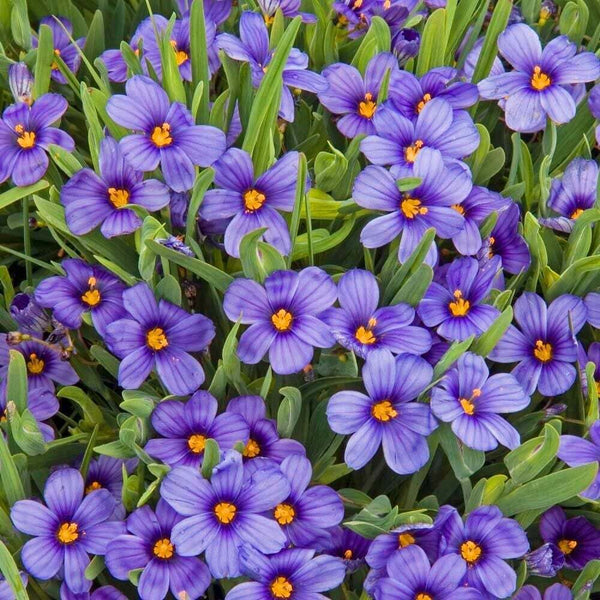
<point>399,139</point>
<point>573,194</point>
<point>457,309</point>
<point>307,513</point>
<point>165,133</point>
<point>226,512</point>
<point>31,318</point>
<point>179,205</point>
<point>158,335</point>
<point>6,592</point>
<point>90,199</point>
<point>546,561</point>
<point>252,203</point>
<point>85,288</point>
<point>289,9</point>
<point>594,106</point>
<point>293,574</point>
<point>354,15</point>
<point>475,208</point>
<point>471,400</point>
<point>424,535</point>
<point>484,542</point>
<point>557,591</point>
<point>66,529</point>
<point>353,97</point>
<point>26,134</point>
<point>538,86</point>
<point>106,472</point>
<point>253,47</point>
<point>413,212</point>
<point>576,538</point>
<point>545,346</point>
<point>69,53</point>
<point>42,404</point>
<point>388,415</point>
<point>592,304</point>
<point>106,592</point>
<point>185,427</point>
<point>362,327</point>
<point>410,95</point>
<point>175,242</point>
<point>348,545</point>
<point>44,364</point>
<point>576,451</point>
<point>411,576</point>
<point>20,81</point>
<point>405,44</point>
<point>283,317</point>
<point>506,242</point>
<point>149,546</point>
<point>473,58</point>
<point>263,441</point>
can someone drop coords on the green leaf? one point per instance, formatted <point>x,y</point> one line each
<point>456,350</point>
<point>488,339</point>
<point>330,168</point>
<point>43,62</point>
<point>92,415</point>
<point>289,411</point>
<point>17,193</point>
<point>19,23</point>
<point>212,275</point>
<point>202,183</point>
<point>26,433</point>
<point>584,584</point>
<point>415,287</point>
<point>16,389</point>
<point>231,362</point>
<point>433,42</point>
<point>549,490</point>
<point>10,571</point>
<point>531,457</point>
<point>408,183</point>
<point>9,474</point>
<point>199,58</point>
<point>169,289</point>
<point>463,460</point>
<point>211,457</point>
<point>375,41</point>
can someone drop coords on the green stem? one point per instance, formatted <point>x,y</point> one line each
<point>27,241</point>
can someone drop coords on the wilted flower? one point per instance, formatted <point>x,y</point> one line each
<point>293,574</point>
<point>85,288</point>
<point>576,538</point>
<point>545,347</point>
<point>66,529</point>
<point>158,335</point>
<point>352,97</point>
<point>283,317</point>
<point>545,561</point>
<point>26,134</point>
<point>388,415</point>
<point>165,133</point>
<point>363,328</point>
<point>536,88</point>
<point>185,427</point>
<point>251,203</point>
<point>20,81</point>
<point>405,44</point>
<point>148,546</point>
<point>226,512</point>
<point>29,315</point>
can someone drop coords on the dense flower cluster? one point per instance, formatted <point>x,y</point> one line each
<point>307,304</point>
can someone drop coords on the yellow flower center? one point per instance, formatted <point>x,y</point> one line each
<point>539,80</point>
<point>196,443</point>
<point>458,208</point>
<point>423,102</point>
<point>357,4</point>
<point>282,320</point>
<point>348,554</point>
<point>367,107</point>
<point>251,449</point>
<point>156,339</point>
<point>467,406</point>
<point>284,514</point>
<point>384,411</point>
<point>597,388</point>
<point>405,539</point>
<point>225,512</point>
<point>542,351</point>
<point>253,200</point>
<point>423,596</point>
<point>54,65</point>
<point>410,154</point>
<point>387,4</point>
<point>67,533</point>
<point>470,551</point>
<point>567,546</point>
<point>92,487</point>
<point>26,139</point>
<point>365,334</point>
<point>180,55</point>
<point>161,135</point>
<point>411,207</point>
<point>92,296</point>
<point>545,14</point>
<point>459,307</point>
<point>163,549</point>
<point>35,365</point>
<point>576,213</point>
<point>118,197</point>
<point>281,588</point>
